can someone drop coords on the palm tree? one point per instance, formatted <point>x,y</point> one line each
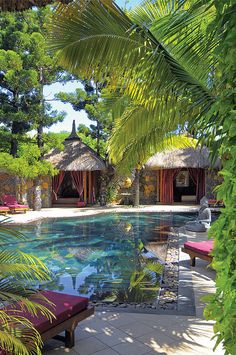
<point>18,273</point>
<point>156,81</point>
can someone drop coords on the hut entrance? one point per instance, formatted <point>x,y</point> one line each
<point>68,188</point>
<point>71,187</point>
<point>184,187</point>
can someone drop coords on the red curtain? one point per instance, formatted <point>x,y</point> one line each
<point>198,177</point>
<point>93,200</point>
<point>167,187</point>
<point>56,184</point>
<point>77,177</point>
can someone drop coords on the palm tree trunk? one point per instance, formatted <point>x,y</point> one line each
<point>37,203</point>
<point>136,188</point>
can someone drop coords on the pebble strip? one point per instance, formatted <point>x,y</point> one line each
<point>168,297</point>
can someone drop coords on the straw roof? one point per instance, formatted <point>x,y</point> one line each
<point>20,5</point>
<point>75,156</point>
<point>182,158</point>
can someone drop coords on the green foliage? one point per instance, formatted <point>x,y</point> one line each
<point>18,273</point>
<point>222,306</point>
<point>27,165</point>
<point>25,69</point>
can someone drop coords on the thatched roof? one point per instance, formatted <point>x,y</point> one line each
<point>20,5</point>
<point>182,158</point>
<point>75,156</point>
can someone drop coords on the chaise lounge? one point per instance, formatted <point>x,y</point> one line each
<point>200,250</point>
<point>69,311</point>
<point>4,209</point>
<point>11,202</point>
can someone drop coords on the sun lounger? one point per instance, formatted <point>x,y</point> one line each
<point>69,311</point>
<point>11,202</point>
<point>4,209</point>
<point>198,250</point>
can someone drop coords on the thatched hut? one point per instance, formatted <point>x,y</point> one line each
<point>180,175</point>
<point>21,5</point>
<point>79,170</point>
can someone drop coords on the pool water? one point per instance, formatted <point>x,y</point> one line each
<point>108,257</point>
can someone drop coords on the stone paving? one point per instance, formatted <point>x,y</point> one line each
<point>110,333</point>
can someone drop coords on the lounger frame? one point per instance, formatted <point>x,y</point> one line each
<point>194,254</point>
<point>68,326</point>
<point>18,209</point>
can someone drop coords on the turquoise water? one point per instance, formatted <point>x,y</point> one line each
<point>108,257</point>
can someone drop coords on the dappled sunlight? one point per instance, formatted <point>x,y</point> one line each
<point>90,330</point>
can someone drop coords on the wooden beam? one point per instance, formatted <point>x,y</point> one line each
<point>90,186</point>
<point>85,185</point>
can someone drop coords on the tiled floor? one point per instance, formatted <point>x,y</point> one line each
<point>110,333</point>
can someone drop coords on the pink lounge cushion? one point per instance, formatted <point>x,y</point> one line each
<point>204,247</point>
<point>65,307</point>
<point>17,205</point>
<point>4,208</point>
<point>11,202</point>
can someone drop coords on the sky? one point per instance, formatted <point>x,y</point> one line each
<point>51,90</point>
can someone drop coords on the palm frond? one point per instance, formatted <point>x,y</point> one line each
<point>99,35</point>
<point>182,27</point>
<point>18,271</point>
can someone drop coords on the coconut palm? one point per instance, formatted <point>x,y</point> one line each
<point>163,85</point>
<point>18,273</point>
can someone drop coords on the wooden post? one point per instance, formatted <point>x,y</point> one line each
<point>158,185</point>
<point>90,186</point>
<point>85,185</point>
<point>161,182</point>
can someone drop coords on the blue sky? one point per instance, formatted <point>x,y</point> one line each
<point>49,92</point>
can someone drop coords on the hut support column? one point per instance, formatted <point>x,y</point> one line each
<point>158,185</point>
<point>90,186</point>
<point>85,185</point>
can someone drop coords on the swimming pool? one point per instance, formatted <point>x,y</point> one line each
<point>108,257</point>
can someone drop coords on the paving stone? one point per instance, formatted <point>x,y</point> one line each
<point>89,346</point>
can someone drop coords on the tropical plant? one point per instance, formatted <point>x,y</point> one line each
<point>175,61</point>
<point>151,81</point>
<point>19,272</point>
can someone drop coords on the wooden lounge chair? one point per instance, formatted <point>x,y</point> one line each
<point>69,311</point>
<point>198,250</point>
<point>11,202</point>
<point>4,209</point>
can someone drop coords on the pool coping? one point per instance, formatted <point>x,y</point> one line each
<point>45,213</point>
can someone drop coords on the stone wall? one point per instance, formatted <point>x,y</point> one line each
<point>148,182</point>
<point>23,189</point>
<point>149,187</point>
<point>212,181</point>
